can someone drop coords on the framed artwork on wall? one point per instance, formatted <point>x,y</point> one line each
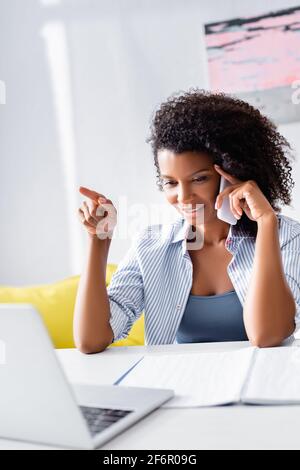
<point>258,60</point>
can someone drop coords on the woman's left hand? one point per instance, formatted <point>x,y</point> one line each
<point>244,196</point>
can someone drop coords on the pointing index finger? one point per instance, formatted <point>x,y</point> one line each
<point>90,193</point>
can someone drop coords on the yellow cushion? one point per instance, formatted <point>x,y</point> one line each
<point>55,303</point>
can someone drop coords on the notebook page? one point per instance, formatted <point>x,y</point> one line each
<point>198,379</point>
<point>275,377</point>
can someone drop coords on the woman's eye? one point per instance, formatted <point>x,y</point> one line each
<point>201,178</point>
<point>172,183</point>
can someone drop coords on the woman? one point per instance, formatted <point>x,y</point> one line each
<point>242,282</point>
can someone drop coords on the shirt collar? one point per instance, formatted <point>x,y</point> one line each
<point>233,239</point>
<point>181,229</point>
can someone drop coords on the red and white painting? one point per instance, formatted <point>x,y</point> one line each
<point>258,59</point>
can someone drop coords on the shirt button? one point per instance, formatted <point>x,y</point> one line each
<point>178,306</point>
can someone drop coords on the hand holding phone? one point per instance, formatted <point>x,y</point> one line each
<point>225,213</point>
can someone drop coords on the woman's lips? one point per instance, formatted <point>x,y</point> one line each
<point>191,211</point>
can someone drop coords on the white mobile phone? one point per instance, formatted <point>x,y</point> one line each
<point>225,213</point>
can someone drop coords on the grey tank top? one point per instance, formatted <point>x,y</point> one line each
<point>212,318</point>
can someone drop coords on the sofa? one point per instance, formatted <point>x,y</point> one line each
<point>55,303</point>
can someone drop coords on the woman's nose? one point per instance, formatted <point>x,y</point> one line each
<point>184,195</point>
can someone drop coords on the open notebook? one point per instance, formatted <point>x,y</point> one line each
<point>252,375</point>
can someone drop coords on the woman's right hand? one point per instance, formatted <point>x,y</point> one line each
<point>97,214</point>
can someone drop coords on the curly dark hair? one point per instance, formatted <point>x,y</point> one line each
<point>239,138</point>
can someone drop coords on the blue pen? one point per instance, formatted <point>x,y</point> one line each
<point>127,372</point>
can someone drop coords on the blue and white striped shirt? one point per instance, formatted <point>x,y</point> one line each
<point>155,277</point>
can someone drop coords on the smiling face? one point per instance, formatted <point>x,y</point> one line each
<point>188,179</point>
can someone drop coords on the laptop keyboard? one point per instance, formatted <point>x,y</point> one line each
<point>99,419</point>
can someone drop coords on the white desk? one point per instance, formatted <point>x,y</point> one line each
<point>224,427</point>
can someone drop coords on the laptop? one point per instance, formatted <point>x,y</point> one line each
<point>38,404</point>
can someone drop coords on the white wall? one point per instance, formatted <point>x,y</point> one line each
<point>82,79</point>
